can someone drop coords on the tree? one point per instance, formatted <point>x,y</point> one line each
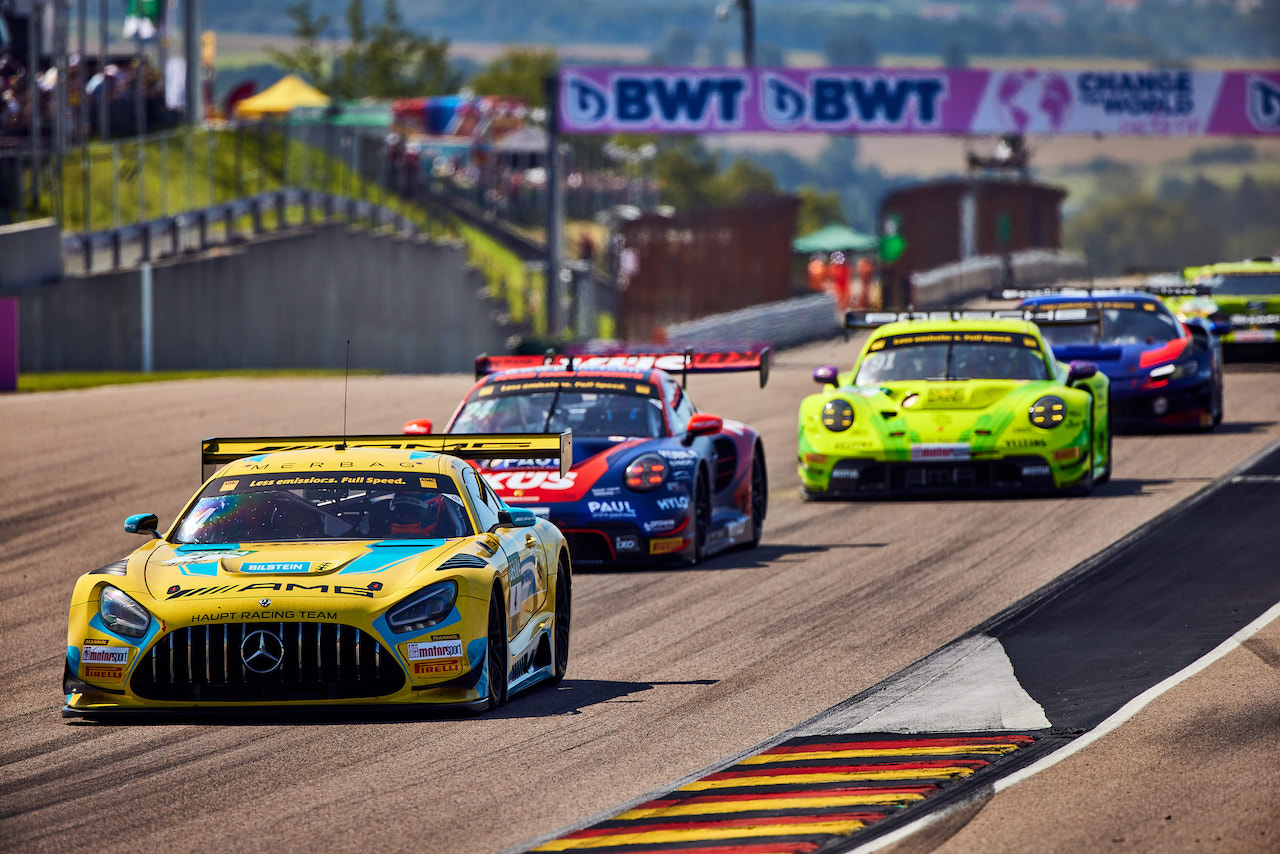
<point>518,73</point>
<point>817,209</point>
<point>1139,232</point>
<point>382,60</point>
<point>306,60</point>
<point>388,60</point>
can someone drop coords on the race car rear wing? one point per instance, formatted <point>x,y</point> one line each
<point>466,446</point>
<point>1039,316</point>
<point>688,362</point>
<point>1160,286</point>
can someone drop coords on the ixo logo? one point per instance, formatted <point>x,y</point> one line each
<point>657,99</point>
<point>1264,104</point>
<point>857,100</point>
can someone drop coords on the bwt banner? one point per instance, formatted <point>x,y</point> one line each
<point>919,101</point>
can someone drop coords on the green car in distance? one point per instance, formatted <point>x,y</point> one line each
<point>968,402</point>
<point>1242,294</point>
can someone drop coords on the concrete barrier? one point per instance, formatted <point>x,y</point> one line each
<point>813,317</point>
<point>288,300</point>
<point>30,253</point>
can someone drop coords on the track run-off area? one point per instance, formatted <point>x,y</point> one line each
<point>810,644</point>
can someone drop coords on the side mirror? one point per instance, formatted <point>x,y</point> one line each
<point>143,523</point>
<point>826,375</point>
<point>1220,327</point>
<point>417,427</point>
<point>703,424</point>
<point>1081,371</point>
<point>516,517</point>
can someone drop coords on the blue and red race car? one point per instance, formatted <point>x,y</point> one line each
<point>653,479</point>
<point>1164,372</point>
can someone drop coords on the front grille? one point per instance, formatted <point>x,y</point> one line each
<point>318,661</point>
<point>853,477</point>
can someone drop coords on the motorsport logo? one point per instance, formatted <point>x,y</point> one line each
<point>430,650</point>
<point>97,652</point>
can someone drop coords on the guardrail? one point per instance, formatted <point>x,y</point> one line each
<point>221,224</point>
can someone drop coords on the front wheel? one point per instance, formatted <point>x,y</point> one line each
<point>495,662</point>
<point>701,522</point>
<point>1105,477</point>
<point>564,607</point>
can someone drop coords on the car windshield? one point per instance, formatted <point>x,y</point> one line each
<point>1119,326</point>
<point>1244,284</point>
<point>318,505</point>
<point>586,413</point>
<point>952,357</point>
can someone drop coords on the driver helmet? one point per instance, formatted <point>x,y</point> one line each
<point>415,513</point>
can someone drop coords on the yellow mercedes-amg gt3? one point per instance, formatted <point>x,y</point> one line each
<point>329,571</point>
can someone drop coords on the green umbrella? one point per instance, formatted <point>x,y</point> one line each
<point>835,238</point>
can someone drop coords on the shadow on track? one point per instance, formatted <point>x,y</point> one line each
<point>570,697</point>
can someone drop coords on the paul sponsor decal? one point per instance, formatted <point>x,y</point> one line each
<point>433,650</point>
<point>611,509</point>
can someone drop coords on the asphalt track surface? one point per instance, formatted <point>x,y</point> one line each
<point>672,672</point>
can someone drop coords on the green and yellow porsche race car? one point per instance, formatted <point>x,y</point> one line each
<point>329,571</point>
<point>1243,297</point>
<point>965,402</point>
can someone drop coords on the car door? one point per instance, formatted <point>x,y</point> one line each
<point>526,570</point>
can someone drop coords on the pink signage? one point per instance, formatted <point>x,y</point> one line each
<point>919,101</point>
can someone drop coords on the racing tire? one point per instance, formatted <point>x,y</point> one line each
<point>1086,483</point>
<point>1105,477</point>
<point>495,656</point>
<point>1216,403</point>
<point>701,521</point>
<point>564,613</point>
<point>759,498</point>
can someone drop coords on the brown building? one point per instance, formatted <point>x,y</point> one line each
<point>947,221</point>
<point>692,264</point>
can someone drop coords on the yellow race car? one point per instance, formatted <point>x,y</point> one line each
<point>330,571</point>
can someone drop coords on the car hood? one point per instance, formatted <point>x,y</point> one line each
<point>247,569</point>
<point>960,396</point>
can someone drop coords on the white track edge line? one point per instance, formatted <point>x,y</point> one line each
<point>1123,714</point>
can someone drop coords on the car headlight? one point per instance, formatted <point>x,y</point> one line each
<point>1175,371</point>
<point>1048,412</point>
<point>423,609</point>
<point>837,415</point>
<point>646,472</point>
<point>122,614</point>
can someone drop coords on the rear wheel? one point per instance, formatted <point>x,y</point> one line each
<point>564,607</point>
<point>759,499</point>
<point>1106,472</point>
<point>495,664</point>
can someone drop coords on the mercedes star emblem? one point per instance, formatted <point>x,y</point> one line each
<point>266,603</point>
<point>262,651</point>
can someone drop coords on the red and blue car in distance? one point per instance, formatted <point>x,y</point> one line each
<point>1164,372</point>
<point>653,479</point>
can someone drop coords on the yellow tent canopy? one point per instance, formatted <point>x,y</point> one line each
<point>290,92</point>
